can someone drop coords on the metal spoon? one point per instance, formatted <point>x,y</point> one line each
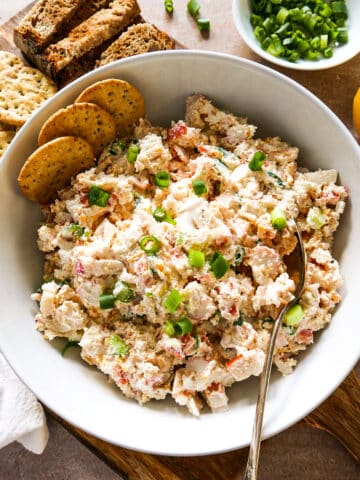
<point>251,472</point>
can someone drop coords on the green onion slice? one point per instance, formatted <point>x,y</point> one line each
<point>257,161</point>
<point>118,346</point>
<point>169,328</point>
<point>239,256</point>
<point>193,8</point>
<point>162,179</point>
<point>278,218</point>
<point>173,301</point>
<point>150,244</point>
<point>75,229</point>
<point>203,24</point>
<point>133,152</point>
<point>196,258</point>
<point>294,315</point>
<point>199,187</point>
<point>125,293</point>
<point>98,196</point>
<point>107,300</point>
<point>183,326</point>
<point>115,146</point>
<point>161,215</point>
<point>240,320</point>
<point>218,265</point>
<point>169,6</point>
<point>315,218</point>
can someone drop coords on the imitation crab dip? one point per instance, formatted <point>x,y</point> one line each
<point>168,262</point>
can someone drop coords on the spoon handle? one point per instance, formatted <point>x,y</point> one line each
<point>251,472</point>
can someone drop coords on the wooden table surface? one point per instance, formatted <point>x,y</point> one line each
<point>340,413</point>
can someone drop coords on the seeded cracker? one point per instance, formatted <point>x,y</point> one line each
<point>5,139</point>
<point>85,120</point>
<point>51,167</point>
<point>22,89</point>
<point>118,97</point>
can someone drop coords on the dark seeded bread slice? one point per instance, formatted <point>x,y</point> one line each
<point>44,22</point>
<point>141,38</point>
<point>64,59</point>
<point>87,62</point>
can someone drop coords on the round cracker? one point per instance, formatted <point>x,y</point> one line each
<point>5,138</point>
<point>118,97</point>
<point>22,89</point>
<point>52,166</point>
<point>85,120</point>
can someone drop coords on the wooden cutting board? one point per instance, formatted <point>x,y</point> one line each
<point>339,415</point>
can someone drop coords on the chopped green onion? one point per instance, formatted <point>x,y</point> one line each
<point>257,161</point>
<point>328,52</point>
<point>294,315</point>
<point>69,344</point>
<point>240,320</point>
<point>98,196</point>
<point>125,294</point>
<point>196,258</point>
<point>183,326</point>
<point>76,230</point>
<point>289,329</point>
<point>279,181</point>
<point>218,265</point>
<point>118,345</point>
<point>199,187</point>
<point>278,218</point>
<point>169,328</point>
<point>291,29</point>
<point>114,148</point>
<point>343,35</point>
<point>161,215</point>
<point>282,15</point>
<point>255,20</point>
<point>133,152</point>
<point>106,301</point>
<point>203,24</point>
<point>239,256</point>
<point>339,10</point>
<point>315,218</point>
<point>169,6</point>
<point>324,40</point>
<point>323,10</point>
<point>193,8</point>
<point>173,301</point>
<point>162,179</point>
<point>150,244</point>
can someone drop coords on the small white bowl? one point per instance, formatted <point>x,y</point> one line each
<point>241,15</point>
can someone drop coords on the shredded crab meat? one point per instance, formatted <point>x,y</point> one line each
<point>104,289</point>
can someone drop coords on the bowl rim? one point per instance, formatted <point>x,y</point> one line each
<point>304,65</point>
<point>209,55</point>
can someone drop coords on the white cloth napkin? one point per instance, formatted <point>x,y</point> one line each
<point>22,418</point>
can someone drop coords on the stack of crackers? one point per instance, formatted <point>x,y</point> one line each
<point>72,139</point>
<point>22,90</point>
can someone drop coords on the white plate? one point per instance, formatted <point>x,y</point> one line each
<point>81,394</point>
<point>241,14</point>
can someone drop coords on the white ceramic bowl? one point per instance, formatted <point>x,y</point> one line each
<point>241,15</point>
<point>78,392</point>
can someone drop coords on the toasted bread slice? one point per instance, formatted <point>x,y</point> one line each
<point>44,22</point>
<point>76,53</point>
<point>140,38</point>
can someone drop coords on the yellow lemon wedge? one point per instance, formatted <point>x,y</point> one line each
<point>356,112</point>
